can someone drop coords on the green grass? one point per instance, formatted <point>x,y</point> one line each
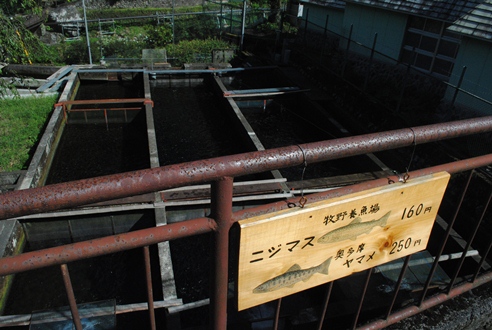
<point>21,122</point>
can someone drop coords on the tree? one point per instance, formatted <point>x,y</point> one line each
<point>274,11</point>
<point>158,35</point>
<point>12,7</point>
<point>19,45</point>
<point>274,6</point>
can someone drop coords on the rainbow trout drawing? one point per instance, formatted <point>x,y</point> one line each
<point>293,275</point>
<point>352,230</point>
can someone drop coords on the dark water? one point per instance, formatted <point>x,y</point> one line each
<point>259,78</point>
<point>191,124</point>
<point>118,277</point>
<point>93,90</point>
<point>286,122</point>
<point>90,150</point>
<point>291,119</point>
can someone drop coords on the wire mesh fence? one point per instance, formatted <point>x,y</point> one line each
<point>399,87</point>
<point>115,44</point>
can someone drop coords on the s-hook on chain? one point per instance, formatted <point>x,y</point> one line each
<point>404,177</point>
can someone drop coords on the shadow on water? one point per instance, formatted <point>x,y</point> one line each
<point>191,124</point>
<point>95,149</point>
<point>92,150</point>
<point>84,151</point>
<point>93,90</point>
<point>119,276</point>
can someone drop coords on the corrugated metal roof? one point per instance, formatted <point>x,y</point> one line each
<point>445,10</point>
<point>340,4</point>
<point>478,23</point>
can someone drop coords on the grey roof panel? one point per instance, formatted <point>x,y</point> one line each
<point>445,10</point>
<point>339,4</point>
<point>477,23</point>
<point>472,18</point>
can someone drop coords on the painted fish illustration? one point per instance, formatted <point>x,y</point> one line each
<point>353,229</point>
<point>293,275</point>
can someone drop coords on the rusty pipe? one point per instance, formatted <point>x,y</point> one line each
<point>148,280</point>
<point>452,168</point>
<point>105,245</point>
<point>222,212</point>
<point>140,238</point>
<point>88,191</point>
<point>428,303</point>
<point>71,297</point>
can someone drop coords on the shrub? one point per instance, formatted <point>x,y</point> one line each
<point>158,36</point>
<point>192,51</point>
<point>118,48</point>
<point>18,45</point>
<point>195,27</point>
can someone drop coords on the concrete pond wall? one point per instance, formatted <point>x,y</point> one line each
<point>39,231</point>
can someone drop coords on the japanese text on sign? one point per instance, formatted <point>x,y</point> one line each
<point>304,247</point>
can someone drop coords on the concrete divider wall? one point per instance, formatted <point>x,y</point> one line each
<point>12,241</point>
<point>12,235</point>
<point>41,161</point>
<point>247,135</point>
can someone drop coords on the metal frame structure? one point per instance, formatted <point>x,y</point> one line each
<point>221,171</point>
<point>67,105</point>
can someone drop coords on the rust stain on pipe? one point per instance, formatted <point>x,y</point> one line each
<point>454,167</point>
<point>88,191</point>
<point>105,245</point>
<point>429,303</point>
<point>126,241</point>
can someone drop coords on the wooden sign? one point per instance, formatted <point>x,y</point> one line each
<point>292,250</point>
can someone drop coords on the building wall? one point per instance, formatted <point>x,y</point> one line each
<point>476,55</point>
<point>317,16</point>
<point>366,21</point>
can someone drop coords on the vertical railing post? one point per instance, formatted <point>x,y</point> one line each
<point>363,295</point>
<point>445,239</point>
<point>306,24</point>
<point>150,295</point>
<point>324,38</point>
<point>221,194</point>
<point>106,119</point>
<point>221,18</point>
<point>243,23</point>
<point>371,58</point>
<point>230,24</point>
<point>349,40</point>
<point>71,297</point>
<point>277,314</point>
<point>468,244</point>
<point>325,305</point>
<point>404,81</point>
<point>65,115</point>
<point>326,27</point>
<point>457,90</point>
<point>397,287</point>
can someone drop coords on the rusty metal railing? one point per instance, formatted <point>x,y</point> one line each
<point>221,172</point>
<point>67,106</point>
